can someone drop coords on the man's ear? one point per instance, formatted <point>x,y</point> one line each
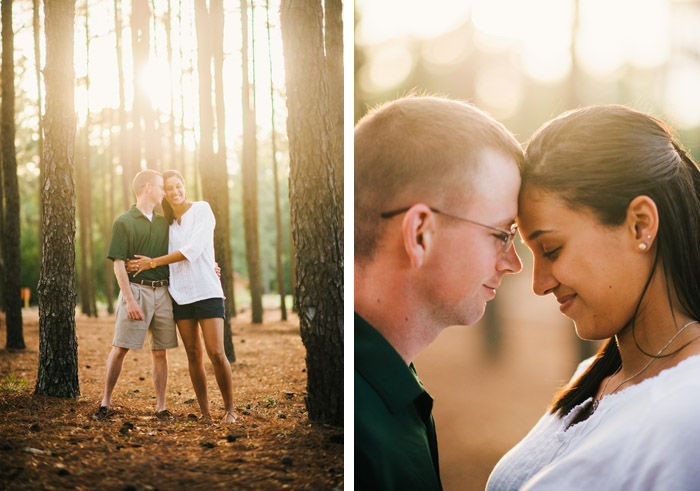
<point>642,222</point>
<point>418,230</point>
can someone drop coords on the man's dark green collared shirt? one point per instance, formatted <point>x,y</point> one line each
<point>395,443</point>
<point>133,233</point>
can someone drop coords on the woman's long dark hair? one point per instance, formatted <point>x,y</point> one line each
<point>600,158</point>
<point>167,209</point>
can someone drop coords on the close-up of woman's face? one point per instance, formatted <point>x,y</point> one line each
<point>175,190</point>
<point>592,269</point>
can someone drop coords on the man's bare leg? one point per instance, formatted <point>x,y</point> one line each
<point>112,371</point>
<point>160,377</point>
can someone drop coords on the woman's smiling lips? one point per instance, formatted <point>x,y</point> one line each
<point>565,301</point>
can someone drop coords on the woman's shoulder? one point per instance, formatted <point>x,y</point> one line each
<point>678,388</point>
<point>670,403</point>
<point>202,207</point>
<point>201,204</point>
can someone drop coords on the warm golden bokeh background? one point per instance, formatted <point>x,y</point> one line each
<point>524,62</point>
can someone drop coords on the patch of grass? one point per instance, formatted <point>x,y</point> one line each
<point>13,384</point>
<point>269,400</point>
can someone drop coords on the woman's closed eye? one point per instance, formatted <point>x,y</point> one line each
<point>552,253</point>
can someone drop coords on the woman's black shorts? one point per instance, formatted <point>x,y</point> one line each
<point>211,308</point>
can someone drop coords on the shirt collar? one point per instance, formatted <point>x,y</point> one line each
<point>136,213</point>
<point>384,370</point>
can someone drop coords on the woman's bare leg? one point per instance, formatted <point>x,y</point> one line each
<point>213,332</point>
<point>189,331</point>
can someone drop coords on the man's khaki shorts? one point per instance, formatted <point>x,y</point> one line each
<point>157,307</point>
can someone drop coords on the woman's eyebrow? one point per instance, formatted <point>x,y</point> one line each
<point>537,233</point>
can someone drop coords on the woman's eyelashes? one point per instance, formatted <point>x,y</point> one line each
<point>550,254</point>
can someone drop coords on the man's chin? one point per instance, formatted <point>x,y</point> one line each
<point>470,318</point>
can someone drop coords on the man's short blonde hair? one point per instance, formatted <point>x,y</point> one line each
<point>418,148</point>
<point>144,177</point>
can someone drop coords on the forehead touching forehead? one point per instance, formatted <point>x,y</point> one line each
<point>419,148</point>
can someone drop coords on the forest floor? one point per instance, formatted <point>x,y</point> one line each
<point>51,443</point>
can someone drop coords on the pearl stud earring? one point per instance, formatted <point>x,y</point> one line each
<point>643,245</point>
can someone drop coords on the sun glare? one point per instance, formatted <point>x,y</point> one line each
<point>381,21</point>
<point>389,66</point>
<point>155,81</point>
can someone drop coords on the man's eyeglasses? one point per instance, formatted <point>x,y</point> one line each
<point>506,236</point>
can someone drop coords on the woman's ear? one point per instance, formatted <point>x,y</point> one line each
<point>643,222</point>
<point>418,228</point>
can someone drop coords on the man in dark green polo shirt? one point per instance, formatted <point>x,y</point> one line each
<point>436,194</point>
<point>144,304</point>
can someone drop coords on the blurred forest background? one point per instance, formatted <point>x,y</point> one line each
<point>524,63</point>
<point>137,104</point>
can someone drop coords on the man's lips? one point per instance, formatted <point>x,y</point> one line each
<point>492,290</point>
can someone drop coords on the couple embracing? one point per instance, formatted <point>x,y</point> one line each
<point>608,202</point>
<point>167,275</point>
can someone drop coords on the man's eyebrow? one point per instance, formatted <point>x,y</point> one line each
<point>537,233</point>
<point>506,224</point>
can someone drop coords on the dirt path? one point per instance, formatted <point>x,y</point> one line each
<point>49,443</point>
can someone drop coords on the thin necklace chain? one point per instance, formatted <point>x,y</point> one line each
<point>602,393</point>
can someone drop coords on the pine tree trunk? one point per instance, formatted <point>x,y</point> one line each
<point>151,133</point>
<point>85,224</point>
<point>37,57</point>
<point>275,177</point>
<point>140,41</point>
<point>334,63</point>
<point>183,148</point>
<point>88,273</point>
<point>314,209</point>
<point>128,171</point>
<point>11,232</point>
<point>250,181</point>
<point>224,249</point>
<point>171,120</point>
<point>58,345</point>
<point>293,269</point>
<point>2,237</point>
<point>108,216</point>
<point>222,244</point>
<point>215,181</point>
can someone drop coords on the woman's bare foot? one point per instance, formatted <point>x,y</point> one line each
<point>229,417</point>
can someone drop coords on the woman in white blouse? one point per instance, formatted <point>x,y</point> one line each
<point>610,207</point>
<point>198,299</point>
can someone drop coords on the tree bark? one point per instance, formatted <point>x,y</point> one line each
<point>2,236</point>
<point>84,177</point>
<point>140,40</point>
<point>250,181</point>
<point>108,215</point>
<point>128,169</point>
<point>275,177</point>
<point>183,148</point>
<point>171,119</point>
<point>58,345</point>
<point>37,65</point>
<point>215,181</point>
<point>224,244</point>
<point>314,208</point>
<point>11,232</point>
<point>334,64</point>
